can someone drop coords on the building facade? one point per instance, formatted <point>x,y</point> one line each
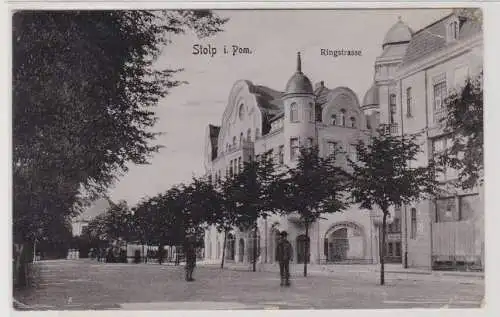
<point>411,78</point>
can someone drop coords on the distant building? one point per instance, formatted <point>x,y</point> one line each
<point>412,76</point>
<point>81,221</point>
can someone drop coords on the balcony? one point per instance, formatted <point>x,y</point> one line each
<point>242,146</point>
<point>390,127</point>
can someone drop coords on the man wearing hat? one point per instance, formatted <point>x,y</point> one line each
<point>284,254</point>
<point>190,251</point>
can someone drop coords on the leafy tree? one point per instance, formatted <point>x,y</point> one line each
<point>464,125</point>
<point>382,176</point>
<point>117,221</point>
<point>256,196</point>
<point>85,85</point>
<point>223,215</point>
<point>311,188</point>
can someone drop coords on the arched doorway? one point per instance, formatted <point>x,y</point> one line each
<point>241,250</point>
<point>230,247</point>
<point>302,241</point>
<point>339,245</point>
<point>345,241</point>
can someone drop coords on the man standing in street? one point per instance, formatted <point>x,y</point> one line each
<point>284,254</point>
<point>190,251</point>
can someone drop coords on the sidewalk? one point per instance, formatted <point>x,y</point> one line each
<point>355,269</point>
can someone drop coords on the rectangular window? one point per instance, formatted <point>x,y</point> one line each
<point>389,249</point>
<point>398,249</point>
<point>446,210</point>
<point>439,99</point>
<point>331,148</point>
<point>392,108</point>
<point>281,154</point>
<point>408,102</point>
<point>413,228</point>
<point>294,148</point>
<point>468,206</point>
<point>240,168</point>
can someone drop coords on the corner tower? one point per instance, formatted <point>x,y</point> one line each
<point>300,117</point>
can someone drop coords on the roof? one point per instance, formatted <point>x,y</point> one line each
<point>299,83</point>
<point>371,96</point>
<point>432,38</point>
<point>395,50</point>
<point>398,33</point>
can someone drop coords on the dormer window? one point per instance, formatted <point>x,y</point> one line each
<point>453,30</point>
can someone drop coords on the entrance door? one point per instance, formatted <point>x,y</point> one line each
<point>339,245</point>
<point>302,240</point>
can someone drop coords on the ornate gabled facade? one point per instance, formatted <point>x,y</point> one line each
<point>261,120</point>
<point>405,94</point>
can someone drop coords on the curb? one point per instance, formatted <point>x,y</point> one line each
<point>430,273</point>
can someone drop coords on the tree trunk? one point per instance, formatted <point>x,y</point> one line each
<point>306,250</point>
<point>34,250</point>
<point>382,249</point>
<point>254,260</point>
<point>223,250</point>
<point>143,254</point>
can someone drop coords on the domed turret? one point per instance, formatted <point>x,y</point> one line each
<point>399,33</point>
<point>299,83</point>
<point>371,97</point>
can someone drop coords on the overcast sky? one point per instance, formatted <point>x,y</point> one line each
<point>274,37</point>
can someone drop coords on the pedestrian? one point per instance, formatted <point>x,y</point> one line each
<point>284,254</point>
<point>190,251</point>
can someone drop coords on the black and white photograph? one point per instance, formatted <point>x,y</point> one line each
<point>247,159</point>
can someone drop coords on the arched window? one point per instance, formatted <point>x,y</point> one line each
<point>234,140</point>
<point>241,138</point>
<point>353,122</point>
<point>294,112</point>
<point>249,135</point>
<point>334,119</point>
<point>309,113</point>
<point>241,111</point>
<point>342,117</point>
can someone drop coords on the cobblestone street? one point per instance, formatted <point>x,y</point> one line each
<point>82,285</point>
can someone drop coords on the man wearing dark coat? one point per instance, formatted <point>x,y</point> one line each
<point>190,251</point>
<point>284,254</point>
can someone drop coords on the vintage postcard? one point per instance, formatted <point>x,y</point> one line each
<point>248,159</point>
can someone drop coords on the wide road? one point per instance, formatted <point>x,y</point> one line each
<point>83,285</point>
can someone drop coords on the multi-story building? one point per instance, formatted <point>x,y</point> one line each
<point>409,84</point>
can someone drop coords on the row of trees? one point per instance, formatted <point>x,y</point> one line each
<point>314,186</point>
<point>381,176</point>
